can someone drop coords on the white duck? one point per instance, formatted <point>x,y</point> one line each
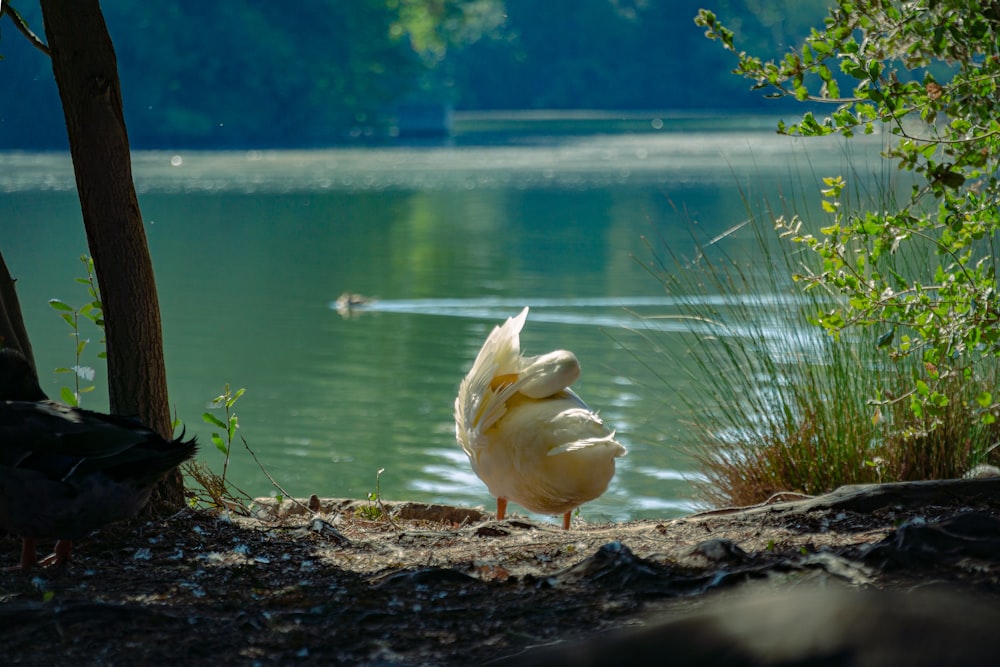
<point>527,435</point>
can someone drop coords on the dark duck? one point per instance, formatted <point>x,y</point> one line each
<point>64,471</point>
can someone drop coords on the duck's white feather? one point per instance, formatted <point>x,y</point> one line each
<point>527,435</point>
<point>479,404</point>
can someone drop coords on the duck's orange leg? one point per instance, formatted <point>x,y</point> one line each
<point>501,508</point>
<point>28,556</point>
<point>63,550</point>
<point>61,555</point>
<point>566,519</point>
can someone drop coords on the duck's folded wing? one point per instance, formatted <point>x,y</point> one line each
<point>535,377</point>
<point>483,393</point>
<point>607,442</point>
<point>58,441</point>
<point>575,428</point>
<point>50,427</point>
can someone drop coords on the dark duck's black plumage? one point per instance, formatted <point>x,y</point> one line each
<point>66,471</point>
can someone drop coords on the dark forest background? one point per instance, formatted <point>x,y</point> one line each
<point>252,73</point>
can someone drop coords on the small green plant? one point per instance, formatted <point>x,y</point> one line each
<point>219,491</point>
<point>374,510</point>
<point>92,311</point>
<point>226,400</point>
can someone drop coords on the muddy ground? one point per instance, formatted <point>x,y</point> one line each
<point>338,583</point>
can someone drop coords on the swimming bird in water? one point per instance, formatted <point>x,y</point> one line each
<point>66,471</point>
<point>529,437</point>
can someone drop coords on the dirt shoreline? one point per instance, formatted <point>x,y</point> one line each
<point>439,585</point>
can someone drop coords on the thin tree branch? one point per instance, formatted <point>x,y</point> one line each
<point>22,26</point>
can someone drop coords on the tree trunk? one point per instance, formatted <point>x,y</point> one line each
<point>12,331</point>
<point>86,73</point>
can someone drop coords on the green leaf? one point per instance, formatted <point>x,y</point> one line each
<point>59,305</point>
<point>219,444</point>
<point>235,397</point>
<point>871,227</point>
<point>68,397</point>
<point>209,418</point>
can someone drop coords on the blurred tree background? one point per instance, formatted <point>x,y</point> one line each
<point>243,73</point>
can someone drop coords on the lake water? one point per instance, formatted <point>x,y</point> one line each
<point>251,249</point>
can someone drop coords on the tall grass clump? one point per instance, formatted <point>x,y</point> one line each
<point>779,406</point>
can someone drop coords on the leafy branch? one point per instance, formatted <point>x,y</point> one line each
<point>928,73</point>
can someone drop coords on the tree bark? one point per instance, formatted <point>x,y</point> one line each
<point>12,331</point>
<point>86,74</point>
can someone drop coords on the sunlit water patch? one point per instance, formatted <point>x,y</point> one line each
<point>563,162</point>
